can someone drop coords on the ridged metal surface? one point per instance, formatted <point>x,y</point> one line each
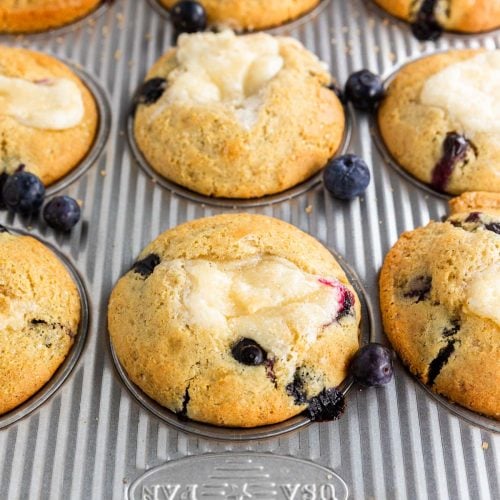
<point>92,439</point>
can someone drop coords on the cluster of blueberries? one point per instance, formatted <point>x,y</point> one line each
<point>24,193</point>
<point>346,176</point>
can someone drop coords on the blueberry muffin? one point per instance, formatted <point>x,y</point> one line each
<point>235,320</point>
<point>440,120</point>
<point>439,292</point>
<point>430,17</point>
<point>25,16</point>
<point>48,117</point>
<point>252,14</point>
<point>39,317</point>
<point>238,116</point>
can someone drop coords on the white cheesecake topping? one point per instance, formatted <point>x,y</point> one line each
<point>266,298</point>
<point>483,293</point>
<point>469,91</point>
<point>225,68</point>
<point>53,104</point>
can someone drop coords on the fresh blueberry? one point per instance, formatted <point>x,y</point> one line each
<point>188,16</point>
<point>372,366</point>
<point>23,192</point>
<point>62,213</point>
<point>364,89</point>
<point>248,352</point>
<point>346,176</point>
<point>151,90</point>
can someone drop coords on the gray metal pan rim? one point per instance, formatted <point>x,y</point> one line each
<point>65,29</point>
<point>186,193</point>
<point>380,143</point>
<point>285,27</point>
<point>372,7</point>
<point>102,134</point>
<point>75,352</point>
<point>367,334</point>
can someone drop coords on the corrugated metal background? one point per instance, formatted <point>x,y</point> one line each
<point>91,439</point>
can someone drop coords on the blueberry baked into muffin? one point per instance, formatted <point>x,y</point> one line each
<point>235,320</point>
<point>440,296</point>
<point>24,16</point>
<point>429,18</point>
<point>48,117</point>
<point>238,116</point>
<point>252,14</point>
<point>39,317</point>
<point>440,120</point>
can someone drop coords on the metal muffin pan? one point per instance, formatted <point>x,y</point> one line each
<point>256,433</point>
<point>74,353</point>
<point>91,439</point>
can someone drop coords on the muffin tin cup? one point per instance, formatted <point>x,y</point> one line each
<point>286,195</point>
<point>374,8</point>
<point>275,30</point>
<point>102,133</point>
<point>67,366</point>
<point>256,433</point>
<point>80,23</point>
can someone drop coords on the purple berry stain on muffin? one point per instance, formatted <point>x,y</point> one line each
<point>473,217</point>
<point>182,413</point>
<point>146,266</point>
<point>270,374</point>
<point>437,364</point>
<point>455,149</point>
<point>493,226</point>
<point>451,330</point>
<point>426,26</point>
<point>328,405</point>
<point>419,288</point>
<point>296,388</point>
<point>346,299</point>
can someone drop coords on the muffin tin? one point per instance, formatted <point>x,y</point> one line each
<point>91,439</point>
